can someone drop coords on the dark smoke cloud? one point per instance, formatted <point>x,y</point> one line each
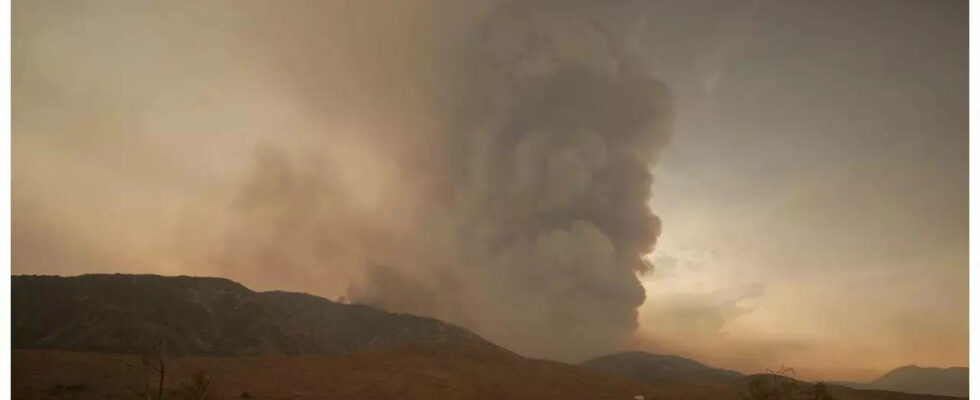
<point>522,153</point>
<point>543,222</point>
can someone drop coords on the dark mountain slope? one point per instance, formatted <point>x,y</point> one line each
<point>651,368</point>
<point>203,316</point>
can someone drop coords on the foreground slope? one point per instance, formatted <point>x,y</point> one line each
<point>411,372</point>
<point>421,371</point>
<point>203,316</point>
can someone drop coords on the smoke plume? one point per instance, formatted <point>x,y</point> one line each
<point>541,223</point>
<point>486,163</point>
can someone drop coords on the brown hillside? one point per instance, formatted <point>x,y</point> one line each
<point>203,316</point>
<point>431,371</point>
<point>413,372</point>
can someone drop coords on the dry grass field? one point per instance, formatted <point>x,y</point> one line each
<point>413,372</point>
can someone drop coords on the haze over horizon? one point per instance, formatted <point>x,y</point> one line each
<point>490,164</point>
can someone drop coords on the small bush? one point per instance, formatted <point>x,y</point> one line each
<point>197,388</point>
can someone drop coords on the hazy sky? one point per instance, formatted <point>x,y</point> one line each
<point>813,194</point>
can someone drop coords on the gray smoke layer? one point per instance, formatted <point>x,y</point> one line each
<point>539,221</point>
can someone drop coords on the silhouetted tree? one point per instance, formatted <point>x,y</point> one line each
<point>153,361</point>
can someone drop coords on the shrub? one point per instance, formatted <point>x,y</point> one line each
<point>197,388</point>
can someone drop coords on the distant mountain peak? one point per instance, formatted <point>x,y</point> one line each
<point>918,367</point>
<point>948,381</point>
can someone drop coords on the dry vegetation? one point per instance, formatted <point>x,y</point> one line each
<point>431,371</point>
<point>412,372</point>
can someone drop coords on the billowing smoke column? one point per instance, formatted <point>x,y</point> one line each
<point>535,234</point>
<point>485,162</point>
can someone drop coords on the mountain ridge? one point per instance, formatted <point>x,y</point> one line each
<point>121,313</point>
<point>279,343</point>
<point>945,381</point>
<point>652,368</point>
<point>676,373</point>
